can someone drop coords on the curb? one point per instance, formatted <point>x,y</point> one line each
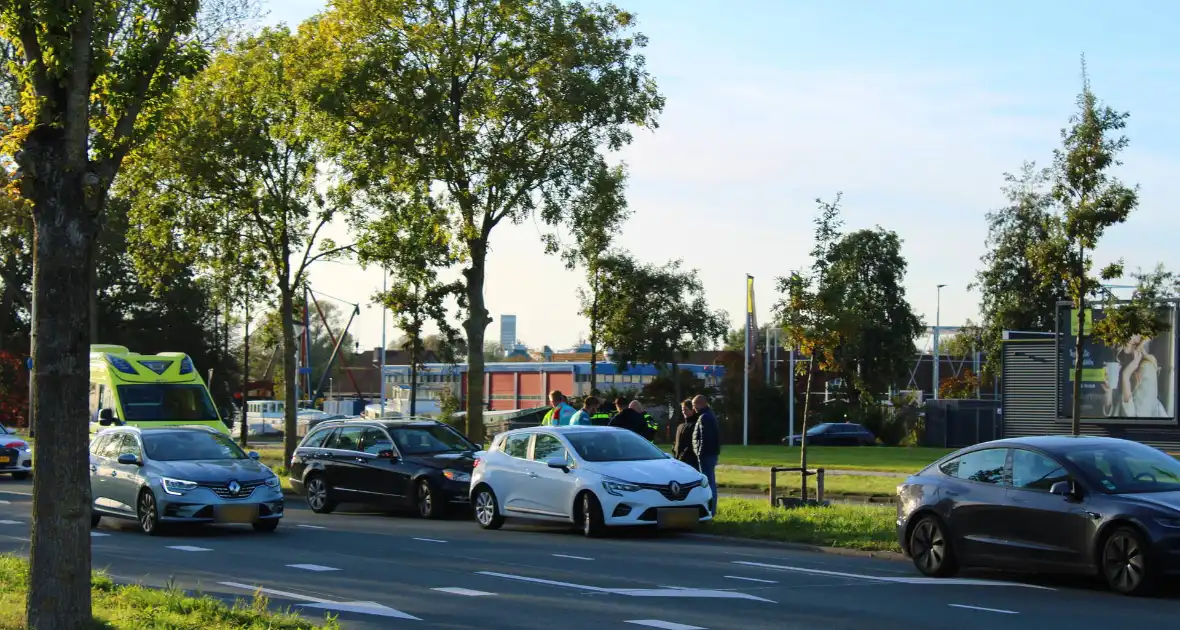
<point>895,556</point>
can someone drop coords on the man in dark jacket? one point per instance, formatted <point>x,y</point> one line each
<point>629,418</point>
<point>706,444</point>
<point>682,447</point>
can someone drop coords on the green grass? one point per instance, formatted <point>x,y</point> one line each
<point>135,607</point>
<point>834,485</point>
<point>865,527</point>
<point>874,458</point>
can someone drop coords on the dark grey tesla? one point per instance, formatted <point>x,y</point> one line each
<point>1051,504</point>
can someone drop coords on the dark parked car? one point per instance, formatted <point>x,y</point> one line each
<point>424,465</point>
<point>835,434</point>
<point>1090,505</point>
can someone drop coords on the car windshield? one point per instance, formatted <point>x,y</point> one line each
<point>4,431</point>
<point>430,440</point>
<point>174,446</point>
<point>1127,469</point>
<point>819,428</point>
<point>613,446</point>
<point>166,401</point>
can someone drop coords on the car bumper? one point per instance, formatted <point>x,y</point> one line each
<point>456,492</point>
<point>203,506</point>
<point>15,461</point>
<point>1167,548</point>
<point>642,508</point>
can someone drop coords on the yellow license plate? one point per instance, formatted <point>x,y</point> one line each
<point>237,513</point>
<point>4,459</point>
<point>677,518</point>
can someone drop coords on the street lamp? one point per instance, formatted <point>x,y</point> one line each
<point>937,329</point>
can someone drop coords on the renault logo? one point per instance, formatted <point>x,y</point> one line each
<point>234,487</point>
<point>675,488</point>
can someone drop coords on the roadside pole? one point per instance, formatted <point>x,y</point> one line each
<point>381,378</point>
<point>791,395</point>
<point>746,391</point>
<point>29,365</point>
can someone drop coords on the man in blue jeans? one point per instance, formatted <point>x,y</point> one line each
<point>706,444</point>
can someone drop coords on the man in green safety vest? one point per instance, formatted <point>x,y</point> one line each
<point>561,412</point>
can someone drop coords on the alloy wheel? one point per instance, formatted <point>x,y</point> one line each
<point>485,508</point>
<point>587,523</point>
<point>928,546</point>
<point>1124,563</point>
<point>147,512</point>
<point>317,494</point>
<point>425,500</point>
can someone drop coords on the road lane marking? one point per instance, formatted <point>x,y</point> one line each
<point>430,540</point>
<point>633,592</point>
<point>663,625</point>
<point>4,502</point>
<point>562,555</point>
<point>9,522</point>
<point>893,580</point>
<point>188,548</point>
<point>310,526</point>
<point>367,608</point>
<point>98,534</point>
<point>995,610</point>
<point>312,567</point>
<point>747,579</point>
<point>454,590</point>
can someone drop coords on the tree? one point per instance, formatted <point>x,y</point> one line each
<point>1090,200</point>
<point>596,214</point>
<point>240,141</point>
<point>1013,292</point>
<point>91,76</point>
<point>507,106</point>
<point>410,239</point>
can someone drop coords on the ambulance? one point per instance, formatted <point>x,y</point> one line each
<point>148,390</point>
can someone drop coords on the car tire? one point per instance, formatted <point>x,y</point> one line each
<point>593,525</point>
<point>931,548</point>
<point>1126,562</point>
<point>427,501</point>
<point>95,517</point>
<point>487,510</point>
<point>269,525</point>
<point>148,513</point>
<point>20,476</point>
<point>318,495</point>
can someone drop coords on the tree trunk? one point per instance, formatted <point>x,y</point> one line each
<point>290,400</point>
<point>475,325</point>
<point>803,431</point>
<point>59,555</point>
<point>1077,367</point>
<point>92,295</point>
<point>244,429</point>
<point>414,375</point>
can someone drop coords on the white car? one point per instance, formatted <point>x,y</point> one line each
<point>592,476</point>
<point>16,458</point>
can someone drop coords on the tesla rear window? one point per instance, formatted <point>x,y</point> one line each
<point>613,446</point>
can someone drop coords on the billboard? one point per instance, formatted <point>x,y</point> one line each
<point>1132,384</point>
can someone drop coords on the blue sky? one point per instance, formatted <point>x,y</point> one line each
<point>914,109</point>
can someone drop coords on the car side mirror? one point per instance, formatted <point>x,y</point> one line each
<point>128,459</point>
<point>560,463</point>
<point>1063,489</point>
<point>254,455</point>
<point>106,417</point>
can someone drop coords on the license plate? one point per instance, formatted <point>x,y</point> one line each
<point>4,459</point>
<point>237,514</point>
<point>677,518</point>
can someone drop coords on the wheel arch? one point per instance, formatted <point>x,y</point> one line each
<point>917,516</point>
<point>1108,528</point>
<point>576,513</point>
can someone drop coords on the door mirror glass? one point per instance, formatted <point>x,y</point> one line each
<point>254,455</point>
<point>1062,488</point>
<point>558,462</point>
<point>128,459</point>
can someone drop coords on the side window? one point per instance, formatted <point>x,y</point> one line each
<point>98,444</point>
<point>131,445</point>
<point>950,467</point>
<point>374,440</point>
<point>95,399</point>
<point>517,446</point>
<point>986,466</point>
<point>1033,471</point>
<point>317,438</point>
<point>547,447</point>
<point>113,446</point>
<point>347,439</point>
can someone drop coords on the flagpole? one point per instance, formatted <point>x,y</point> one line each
<point>746,374</point>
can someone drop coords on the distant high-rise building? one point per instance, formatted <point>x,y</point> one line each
<point>507,332</point>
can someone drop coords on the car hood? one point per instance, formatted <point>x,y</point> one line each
<point>456,461</point>
<point>657,471</point>
<point>1167,500</point>
<point>214,470</point>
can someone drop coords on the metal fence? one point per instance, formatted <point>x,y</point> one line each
<point>959,423</point>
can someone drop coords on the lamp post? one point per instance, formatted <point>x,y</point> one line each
<point>937,330</point>
<point>381,378</point>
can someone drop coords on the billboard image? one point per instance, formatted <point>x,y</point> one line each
<point>1131,384</point>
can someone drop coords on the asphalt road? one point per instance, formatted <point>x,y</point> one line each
<point>380,571</point>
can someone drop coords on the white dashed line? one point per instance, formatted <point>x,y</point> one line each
<point>895,580</point>
<point>98,534</point>
<point>3,502</point>
<point>562,555</point>
<point>9,522</point>
<point>310,526</point>
<point>312,567</point>
<point>187,548</point>
<point>738,577</point>
<point>454,590</point>
<point>430,540</point>
<point>665,625</point>
<point>995,610</point>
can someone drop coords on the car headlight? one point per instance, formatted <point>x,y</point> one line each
<point>272,482</point>
<point>705,481</point>
<point>177,486</point>
<point>456,475</point>
<point>617,488</point>
<point>1173,523</point>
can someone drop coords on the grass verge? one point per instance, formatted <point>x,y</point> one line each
<point>865,527</point>
<point>870,458</point>
<point>139,608</point>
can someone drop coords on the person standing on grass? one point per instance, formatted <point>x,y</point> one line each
<point>706,444</point>
<point>682,447</point>
<point>586,413</point>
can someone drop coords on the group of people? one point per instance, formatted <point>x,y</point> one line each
<point>698,438</point>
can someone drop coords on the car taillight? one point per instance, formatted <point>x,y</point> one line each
<point>476,465</point>
<point>13,445</point>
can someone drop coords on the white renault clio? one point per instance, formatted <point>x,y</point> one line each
<point>595,477</point>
